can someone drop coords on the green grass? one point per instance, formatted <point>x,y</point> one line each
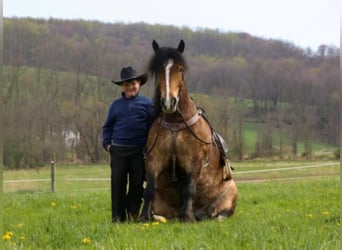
<point>65,176</point>
<point>303,214</point>
<point>251,134</point>
<point>274,215</point>
<point>72,177</point>
<point>274,170</point>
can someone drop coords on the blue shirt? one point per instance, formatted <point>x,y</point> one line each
<point>128,121</point>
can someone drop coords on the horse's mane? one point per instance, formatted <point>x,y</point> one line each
<point>159,58</point>
<point>156,63</point>
<point>156,102</point>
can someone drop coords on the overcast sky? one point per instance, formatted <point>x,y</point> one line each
<point>306,23</point>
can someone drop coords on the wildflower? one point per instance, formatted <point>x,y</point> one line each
<point>85,240</point>
<point>159,218</point>
<point>53,204</point>
<point>326,213</point>
<point>20,225</point>
<point>155,223</point>
<point>309,215</point>
<point>163,220</point>
<point>73,206</point>
<point>144,226</point>
<point>22,238</point>
<point>7,235</point>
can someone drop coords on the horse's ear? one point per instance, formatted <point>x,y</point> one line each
<point>155,46</point>
<point>181,46</point>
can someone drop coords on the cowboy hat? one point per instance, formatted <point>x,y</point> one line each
<point>128,74</point>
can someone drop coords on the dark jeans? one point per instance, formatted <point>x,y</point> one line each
<point>127,164</point>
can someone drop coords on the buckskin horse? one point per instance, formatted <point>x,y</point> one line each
<point>185,176</point>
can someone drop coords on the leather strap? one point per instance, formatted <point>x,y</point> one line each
<point>176,126</point>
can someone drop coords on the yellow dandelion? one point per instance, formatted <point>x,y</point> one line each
<point>155,223</point>
<point>159,218</point>
<point>85,240</point>
<point>325,213</point>
<point>6,237</point>
<point>9,233</point>
<point>53,204</point>
<point>22,238</point>
<point>73,207</point>
<point>309,215</point>
<point>144,226</point>
<point>163,220</point>
<point>20,225</point>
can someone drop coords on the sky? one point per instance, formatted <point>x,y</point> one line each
<point>305,23</point>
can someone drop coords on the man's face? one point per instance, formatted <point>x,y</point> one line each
<point>131,88</point>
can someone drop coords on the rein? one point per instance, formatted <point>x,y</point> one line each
<point>188,126</point>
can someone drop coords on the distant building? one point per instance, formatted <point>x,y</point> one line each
<point>71,138</point>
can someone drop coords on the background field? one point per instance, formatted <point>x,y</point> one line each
<point>282,205</point>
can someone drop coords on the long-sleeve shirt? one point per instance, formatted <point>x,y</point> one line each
<point>127,122</point>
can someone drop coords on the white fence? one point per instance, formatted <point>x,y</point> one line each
<point>51,182</point>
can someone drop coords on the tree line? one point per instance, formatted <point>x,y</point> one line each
<point>57,86</point>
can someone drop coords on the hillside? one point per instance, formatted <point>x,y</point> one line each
<point>59,70</point>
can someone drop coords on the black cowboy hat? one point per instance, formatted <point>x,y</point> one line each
<point>129,74</point>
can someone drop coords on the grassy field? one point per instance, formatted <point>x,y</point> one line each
<point>319,149</point>
<point>291,207</point>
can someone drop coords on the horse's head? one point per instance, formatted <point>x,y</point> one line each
<point>168,66</point>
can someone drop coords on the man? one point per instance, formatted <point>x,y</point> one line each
<point>124,136</point>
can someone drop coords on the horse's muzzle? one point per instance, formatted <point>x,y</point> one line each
<point>169,105</point>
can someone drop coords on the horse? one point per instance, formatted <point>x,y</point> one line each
<point>185,178</point>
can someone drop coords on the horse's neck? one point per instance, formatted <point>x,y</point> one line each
<point>186,104</point>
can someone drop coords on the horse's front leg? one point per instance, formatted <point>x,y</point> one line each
<point>146,213</point>
<point>189,193</point>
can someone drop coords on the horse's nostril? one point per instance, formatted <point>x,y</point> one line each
<point>173,101</point>
<point>162,102</point>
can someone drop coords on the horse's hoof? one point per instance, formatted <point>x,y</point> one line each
<point>159,218</point>
<point>221,217</point>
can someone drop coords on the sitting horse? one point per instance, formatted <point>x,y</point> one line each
<point>185,176</point>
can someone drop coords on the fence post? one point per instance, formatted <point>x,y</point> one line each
<point>53,176</point>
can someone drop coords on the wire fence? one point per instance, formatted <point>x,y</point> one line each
<point>95,184</point>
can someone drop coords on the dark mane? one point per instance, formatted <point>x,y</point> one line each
<point>156,102</point>
<point>159,58</point>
